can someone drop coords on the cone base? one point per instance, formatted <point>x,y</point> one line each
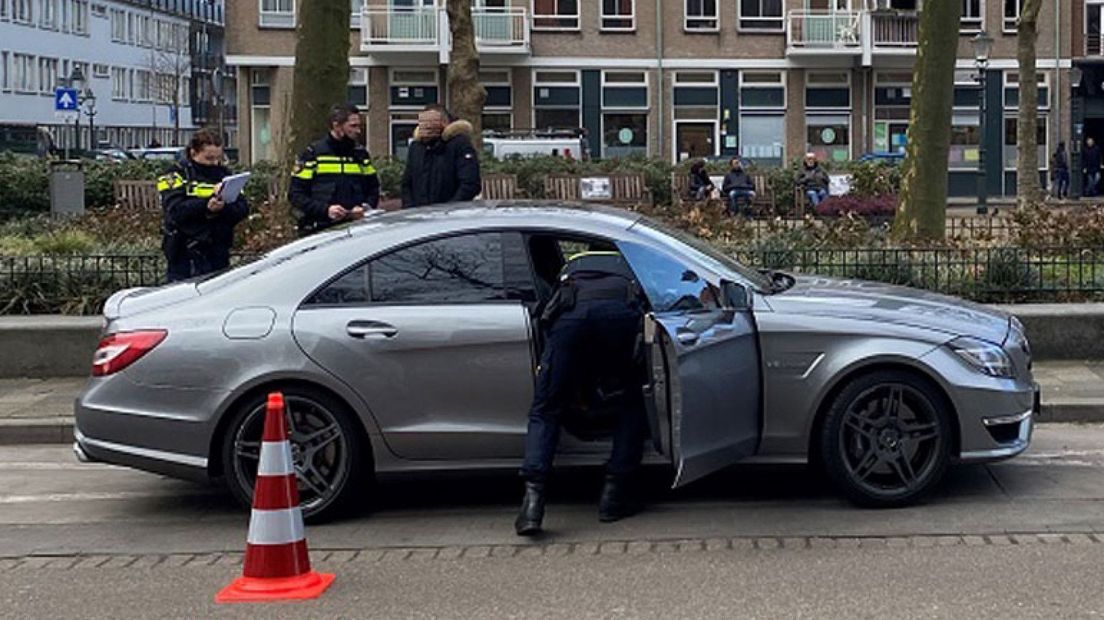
<point>261,590</point>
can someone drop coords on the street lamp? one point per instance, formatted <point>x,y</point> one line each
<point>983,44</point>
<point>76,81</point>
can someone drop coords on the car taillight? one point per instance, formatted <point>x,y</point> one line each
<point>120,350</point>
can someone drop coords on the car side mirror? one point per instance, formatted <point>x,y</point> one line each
<point>735,296</point>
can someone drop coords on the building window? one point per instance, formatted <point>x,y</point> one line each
<point>118,26</point>
<point>118,83</point>
<point>1011,14</point>
<point>355,13</point>
<point>555,14</point>
<point>5,70</point>
<point>22,11</point>
<point>24,72</point>
<point>358,86</point>
<point>48,16</point>
<point>5,10</point>
<point>260,109</point>
<point>498,108</point>
<point>828,115</point>
<point>100,71</point>
<point>760,15</point>
<point>973,15</point>
<point>1011,148</point>
<point>557,97</point>
<point>965,140</point>
<point>48,75</point>
<point>79,15</point>
<point>762,117</point>
<point>701,15</point>
<point>624,113</point>
<point>619,15</point>
<point>277,14</point>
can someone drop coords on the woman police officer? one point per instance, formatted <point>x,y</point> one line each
<point>198,228</point>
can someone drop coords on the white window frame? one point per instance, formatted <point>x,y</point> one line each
<point>1006,25</point>
<point>5,10</point>
<point>118,84</point>
<point>5,70</point>
<point>975,22</point>
<point>276,17</point>
<point>412,83</point>
<point>781,19</point>
<point>577,83</point>
<point>23,73</point>
<point>23,12</point>
<point>686,18</point>
<point>509,81</point>
<point>118,25</point>
<point>557,16</point>
<point>1043,120</point>
<point>80,15</point>
<point>743,83</point>
<point>1007,82</point>
<point>357,9</point>
<point>48,14</point>
<point>358,77</point>
<point>47,75</point>
<point>608,84</point>
<point>98,10</point>
<point>101,71</point>
<point>617,17</point>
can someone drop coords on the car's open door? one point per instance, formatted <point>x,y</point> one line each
<point>705,395</point>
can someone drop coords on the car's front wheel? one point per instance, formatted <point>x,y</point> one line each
<point>886,439</point>
<point>326,449</point>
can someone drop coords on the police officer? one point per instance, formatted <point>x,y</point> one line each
<point>593,321</point>
<point>198,228</point>
<point>334,180</point>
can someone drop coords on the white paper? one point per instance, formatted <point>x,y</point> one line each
<point>232,186</point>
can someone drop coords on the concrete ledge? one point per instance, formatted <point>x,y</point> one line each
<point>48,345</point>
<point>1062,331</point>
<point>23,431</point>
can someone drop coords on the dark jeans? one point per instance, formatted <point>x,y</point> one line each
<point>1061,184</point>
<point>191,263</point>
<point>594,337</point>
<point>1092,182</point>
<point>736,195</point>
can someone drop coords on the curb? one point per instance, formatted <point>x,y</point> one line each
<point>20,431</point>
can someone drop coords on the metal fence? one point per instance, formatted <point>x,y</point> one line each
<point>80,284</point>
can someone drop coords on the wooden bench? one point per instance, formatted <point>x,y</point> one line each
<point>140,195</point>
<point>625,188</point>
<point>764,197</point>
<point>499,187</point>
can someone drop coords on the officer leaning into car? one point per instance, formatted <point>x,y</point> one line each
<point>334,180</point>
<point>198,226</point>
<point>593,324</point>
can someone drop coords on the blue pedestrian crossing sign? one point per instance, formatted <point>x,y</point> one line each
<point>65,100</point>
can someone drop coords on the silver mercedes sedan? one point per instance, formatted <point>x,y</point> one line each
<point>408,341</point>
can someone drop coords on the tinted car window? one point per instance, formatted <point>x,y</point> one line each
<point>463,269</point>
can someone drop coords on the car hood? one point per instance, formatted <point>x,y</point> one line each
<point>874,301</point>
<point>131,301</point>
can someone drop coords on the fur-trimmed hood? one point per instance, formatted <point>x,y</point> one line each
<point>453,129</point>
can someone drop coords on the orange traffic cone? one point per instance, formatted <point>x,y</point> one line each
<point>277,567</point>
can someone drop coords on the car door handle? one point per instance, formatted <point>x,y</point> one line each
<point>687,337</point>
<point>365,329</point>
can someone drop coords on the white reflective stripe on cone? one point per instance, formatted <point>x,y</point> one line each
<point>275,527</point>
<point>275,459</point>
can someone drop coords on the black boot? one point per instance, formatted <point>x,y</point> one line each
<point>529,519</point>
<point>617,501</point>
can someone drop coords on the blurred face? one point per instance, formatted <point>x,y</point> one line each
<point>430,124</point>
<point>810,161</point>
<point>209,155</point>
<point>1090,142</point>
<point>735,164</point>
<point>350,129</point>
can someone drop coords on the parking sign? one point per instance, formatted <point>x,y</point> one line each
<point>66,103</point>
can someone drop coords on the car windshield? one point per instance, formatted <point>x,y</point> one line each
<point>707,254</point>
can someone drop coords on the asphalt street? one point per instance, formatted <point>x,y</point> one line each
<point>1024,538</point>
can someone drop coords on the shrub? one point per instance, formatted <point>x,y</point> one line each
<point>873,179</point>
<point>23,186</point>
<point>880,205</point>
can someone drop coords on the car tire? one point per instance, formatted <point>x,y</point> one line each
<point>887,438</point>
<point>339,457</point>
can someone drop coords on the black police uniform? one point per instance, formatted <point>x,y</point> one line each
<point>331,172</point>
<point>594,320</point>
<point>196,241</point>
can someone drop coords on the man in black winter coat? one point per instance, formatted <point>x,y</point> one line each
<point>442,165</point>
<point>334,180</point>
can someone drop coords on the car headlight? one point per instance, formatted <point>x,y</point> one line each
<point>983,356</point>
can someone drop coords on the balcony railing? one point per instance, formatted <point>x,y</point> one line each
<point>865,33</point>
<point>1093,45</point>
<point>819,30</point>
<point>895,30</point>
<point>426,29</point>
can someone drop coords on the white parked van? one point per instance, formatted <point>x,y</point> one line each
<point>569,143</point>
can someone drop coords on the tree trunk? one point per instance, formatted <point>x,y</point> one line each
<point>321,69</point>
<point>923,208</point>
<point>466,93</point>
<point>1028,190</point>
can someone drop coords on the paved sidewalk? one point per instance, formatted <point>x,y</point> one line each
<point>41,410</point>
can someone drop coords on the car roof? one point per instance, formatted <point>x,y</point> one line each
<point>526,213</point>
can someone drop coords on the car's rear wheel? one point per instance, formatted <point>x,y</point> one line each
<point>886,440</point>
<point>326,448</point>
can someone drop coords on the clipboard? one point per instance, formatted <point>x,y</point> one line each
<point>232,186</point>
